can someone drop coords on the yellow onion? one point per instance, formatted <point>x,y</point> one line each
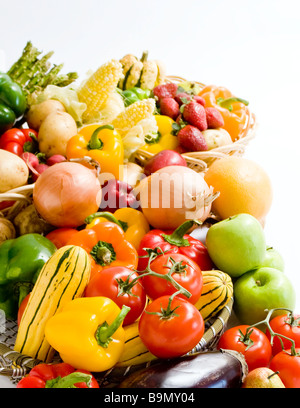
<point>173,195</point>
<point>66,193</point>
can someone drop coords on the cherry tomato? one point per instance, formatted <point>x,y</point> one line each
<point>288,326</point>
<point>255,346</point>
<point>170,329</point>
<point>288,366</point>
<point>22,308</point>
<point>60,236</point>
<point>183,270</point>
<point>112,282</point>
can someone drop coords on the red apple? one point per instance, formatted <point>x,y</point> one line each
<point>163,159</point>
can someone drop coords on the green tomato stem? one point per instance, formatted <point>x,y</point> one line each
<point>266,321</point>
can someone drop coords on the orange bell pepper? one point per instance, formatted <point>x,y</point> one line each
<point>107,246</point>
<point>132,221</point>
<point>234,110</point>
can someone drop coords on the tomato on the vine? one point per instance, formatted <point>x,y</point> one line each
<point>170,327</point>
<point>182,269</point>
<point>115,283</point>
<point>287,325</point>
<point>252,343</point>
<point>287,363</point>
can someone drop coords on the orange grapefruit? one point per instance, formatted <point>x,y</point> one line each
<point>244,187</point>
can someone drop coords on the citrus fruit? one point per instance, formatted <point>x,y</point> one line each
<point>244,187</point>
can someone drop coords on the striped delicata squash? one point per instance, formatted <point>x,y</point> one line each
<point>63,278</point>
<point>216,293</point>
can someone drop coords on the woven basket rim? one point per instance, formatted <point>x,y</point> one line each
<point>199,158</point>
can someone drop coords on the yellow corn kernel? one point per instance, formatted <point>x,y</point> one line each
<point>98,87</point>
<point>133,114</point>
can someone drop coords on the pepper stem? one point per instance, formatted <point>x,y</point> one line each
<point>24,288</point>
<point>69,380</point>
<point>227,103</point>
<point>105,331</point>
<point>103,253</point>
<point>176,238</point>
<point>95,142</point>
<point>105,214</point>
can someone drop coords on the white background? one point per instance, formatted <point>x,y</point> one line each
<point>251,47</point>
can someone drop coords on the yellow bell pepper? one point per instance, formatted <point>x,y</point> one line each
<point>103,144</point>
<point>165,140</point>
<point>132,221</point>
<point>87,332</point>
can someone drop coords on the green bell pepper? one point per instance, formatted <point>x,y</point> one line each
<point>21,260</point>
<point>134,94</point>
<point>12,102</point>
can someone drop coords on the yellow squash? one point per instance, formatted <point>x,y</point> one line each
<point>63,278</point>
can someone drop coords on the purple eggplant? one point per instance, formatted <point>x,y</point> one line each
<point>215,369</point>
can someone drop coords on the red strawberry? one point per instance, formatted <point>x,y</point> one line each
<point>169,107</point>
<point>214,118</point>
<point>191,139</point>
<point>194,113</point>
<point>182,97</point>
<point>165,91</point>
<point>199,99</point>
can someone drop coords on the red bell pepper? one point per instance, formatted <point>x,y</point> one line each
<point>61,375</point>
<point>18,141</point>
<point>177,241</point>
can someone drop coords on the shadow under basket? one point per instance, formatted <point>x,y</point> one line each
<point>200,161</point>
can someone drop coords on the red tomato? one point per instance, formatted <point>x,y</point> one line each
<point>255,347</point>
<point>22,308</point>
<point>288,366</point>
<point>61,236</point>
<point>185,272</point>
<point>171,335</point>
<point>287,326</point>
<point>110,282</point>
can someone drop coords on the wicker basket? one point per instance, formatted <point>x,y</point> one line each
<point>15,365</point>
<point>199,161</point>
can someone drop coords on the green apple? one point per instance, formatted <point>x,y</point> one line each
<point>237,244</point>
<point>273,259</point>
<point>261,289</point>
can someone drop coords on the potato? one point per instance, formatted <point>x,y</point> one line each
<point>38,113</point>
<point>13,171</point>
<point>7,230</point>
<point>28,221</point>
<point>216,138</point>
<point>55,132</point>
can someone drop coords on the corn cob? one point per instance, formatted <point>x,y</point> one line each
<point>96,90</point>
<point>134,352</point>
<point>133,114</point>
